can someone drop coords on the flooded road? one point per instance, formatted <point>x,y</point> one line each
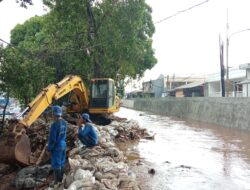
<point>188,155</point>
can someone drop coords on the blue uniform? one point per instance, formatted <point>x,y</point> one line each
<point>57,143</point>
<point>88,135</point>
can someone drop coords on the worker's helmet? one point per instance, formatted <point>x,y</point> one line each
<point>85,116</point>
<point>57,111</point>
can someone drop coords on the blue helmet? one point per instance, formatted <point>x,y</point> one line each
<point>85,116</point>
<point>57,111</point>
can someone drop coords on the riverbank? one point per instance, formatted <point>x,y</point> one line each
<point>189,155</point>
<point>227,112</point>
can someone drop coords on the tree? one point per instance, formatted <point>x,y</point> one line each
<point>103,38</point>
<point>23,69</point>
<point>128,33</point>
<point>23,3</point>
<point>90,38</point>
<point>3,88</point>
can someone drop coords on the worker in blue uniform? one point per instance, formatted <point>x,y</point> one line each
<point>57,144</point>
<point>86,132</point>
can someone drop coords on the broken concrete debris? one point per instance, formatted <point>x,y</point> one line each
<point>31,177</point>
<point>151,171</point>
<point>102,167</point>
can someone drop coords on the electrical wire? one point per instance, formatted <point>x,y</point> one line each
<point>5,42</point>
<point>182,11</point>
<point>107,42</point>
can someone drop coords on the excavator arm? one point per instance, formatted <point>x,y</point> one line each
<point>16,145</point>
<point>55,92</point>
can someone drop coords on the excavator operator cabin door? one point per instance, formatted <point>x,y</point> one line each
<point>102,93</point>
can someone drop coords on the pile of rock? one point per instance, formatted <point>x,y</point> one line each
<point>31,177</point>
<point>102,167</point>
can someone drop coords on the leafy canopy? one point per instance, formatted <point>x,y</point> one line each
<point>23,68</point>
<point>23,3</point>
<point>90,38</point>
<point>101,38</point>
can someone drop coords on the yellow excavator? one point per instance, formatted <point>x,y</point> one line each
<point>100,99</point>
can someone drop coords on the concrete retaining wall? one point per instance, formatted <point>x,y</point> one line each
<point>228,112</point>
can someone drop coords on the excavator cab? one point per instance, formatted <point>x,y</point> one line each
<point>99,99</point>
<point>102,96</point>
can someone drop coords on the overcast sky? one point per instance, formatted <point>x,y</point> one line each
<point>11,14</point>
<point>186,44</point>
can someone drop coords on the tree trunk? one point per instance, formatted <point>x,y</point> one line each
<point>26,100</point>
<point>4,112</point>
<point>92,33</point>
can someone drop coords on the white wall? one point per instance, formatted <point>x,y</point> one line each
<point>214,89</point>
<point>228,112</point>
<point>246,90</point>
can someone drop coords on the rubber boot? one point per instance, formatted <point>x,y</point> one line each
<point>57,175</point>
<point>61,174</point>
<point>55,181</point>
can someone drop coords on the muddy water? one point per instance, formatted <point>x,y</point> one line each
<point>188,155</point>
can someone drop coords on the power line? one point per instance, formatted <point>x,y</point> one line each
<point>62,50</point>
<point>5,42</point>
<point>157,22</point>
<point>66,50</point>
<point>182,11</point>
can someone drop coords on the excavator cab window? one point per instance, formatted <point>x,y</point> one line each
<point>102,93</point>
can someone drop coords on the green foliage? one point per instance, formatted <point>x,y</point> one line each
<point>89,38</point>
<point>128,31</point>
<point>102,38</point>
<point>65,29</point>
<point>23,69</point>
<point>23,3</point>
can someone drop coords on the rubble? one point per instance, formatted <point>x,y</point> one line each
<point>31,176</point>
<point>151,171</point>
<point>4,169</point>
<point>102,167</point>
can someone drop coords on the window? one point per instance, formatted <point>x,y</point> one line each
<point>99,89</point>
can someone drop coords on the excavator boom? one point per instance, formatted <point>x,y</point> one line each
<point>55,92</point>
<point>17,145</point>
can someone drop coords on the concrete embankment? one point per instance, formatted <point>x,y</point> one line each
<point>227,112</point>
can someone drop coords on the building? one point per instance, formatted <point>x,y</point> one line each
<point>138,94</point>
<point>236,76</point>
<point>173,84</point>
<point>195,89</point>
<point>165,85</point>
<point>245,83</point>
<point>155,87</point>
<point>238,85</point>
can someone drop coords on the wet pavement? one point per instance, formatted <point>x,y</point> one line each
<point>190,155</point>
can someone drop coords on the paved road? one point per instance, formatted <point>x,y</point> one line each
<point>187,155</point>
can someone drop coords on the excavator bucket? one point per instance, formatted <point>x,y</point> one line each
<point>15,148</point>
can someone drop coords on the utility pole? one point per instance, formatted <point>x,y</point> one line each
<point>228,37</point>
<point>222,68</point>
<point>227,68</point>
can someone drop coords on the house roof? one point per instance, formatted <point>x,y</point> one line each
<point>244,66</point>
<point>245,81</point>
<point>234,74</point>
<point>134,91</point>
<point>191,85</point>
